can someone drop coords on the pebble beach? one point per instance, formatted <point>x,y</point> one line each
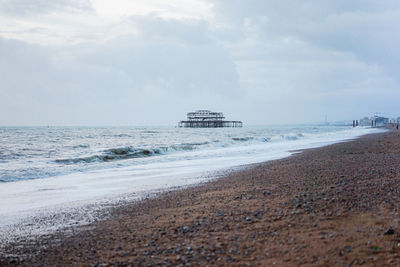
<point>334,205</point>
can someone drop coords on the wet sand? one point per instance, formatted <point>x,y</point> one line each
<point>336,205</point>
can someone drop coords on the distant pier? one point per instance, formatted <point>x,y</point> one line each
<point>208,119</point>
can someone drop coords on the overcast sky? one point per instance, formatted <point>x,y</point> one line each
<point>148,62</point>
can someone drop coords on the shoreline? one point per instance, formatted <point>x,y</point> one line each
<point>74,199</point>
<point>279,211</point>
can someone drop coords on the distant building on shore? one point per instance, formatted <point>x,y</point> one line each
<point>380,121</point>
<point>207,119</point>
<point>375,121</point>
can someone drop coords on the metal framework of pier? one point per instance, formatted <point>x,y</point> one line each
<point>207,119</point>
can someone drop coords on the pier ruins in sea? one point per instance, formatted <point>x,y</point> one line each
<point>207,119</point>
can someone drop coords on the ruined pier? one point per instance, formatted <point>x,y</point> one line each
<point>207,119</point>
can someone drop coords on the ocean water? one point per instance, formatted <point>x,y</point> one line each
<point>47,170</point>
<point>38,153</point>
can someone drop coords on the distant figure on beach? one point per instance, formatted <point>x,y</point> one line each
<point>397,126</point>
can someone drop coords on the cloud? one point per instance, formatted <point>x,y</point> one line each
<point>260,61</point>
<point>170,54</point>
<point>120,79</point>
<point>309,54</point>
<point>366,29</point>
<point>39,7</point>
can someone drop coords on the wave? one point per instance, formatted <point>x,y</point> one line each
<point>250,138</point>
<point>123,153</point>
<point>129,152</point>
<point>187,146</point>
<point>243,139</point>
<point>81,146</point>
<point>148,131</point>
<point>292,137</point>
<point>122,135</point>
<point>113,154</point>
<point>6,156</point>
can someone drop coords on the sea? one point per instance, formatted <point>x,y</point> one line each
<point>53,169</point>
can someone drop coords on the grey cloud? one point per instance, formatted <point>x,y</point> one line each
<point>162,31</point>
<point>367,29</point>
<point>172,55</point>
<point>29,7</point>
<point>285,61</point>
<point>325,52</point>
<point>160,73</point>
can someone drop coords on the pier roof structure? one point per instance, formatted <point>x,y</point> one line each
<point>207,119</point>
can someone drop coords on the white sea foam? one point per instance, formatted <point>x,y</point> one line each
<point>76,197</point>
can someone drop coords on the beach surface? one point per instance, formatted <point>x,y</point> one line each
<point>335,205</point>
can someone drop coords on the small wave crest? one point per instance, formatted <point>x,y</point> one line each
<point>251,138</point>
<point>81,146</point>
<point>188,146</point>
<point>113,154</point>
<point>243,139</point>
<point>292,137</point>
<point>122,153</point>
<point>149,132</point>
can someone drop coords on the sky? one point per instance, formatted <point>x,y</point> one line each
<point>149,62</point>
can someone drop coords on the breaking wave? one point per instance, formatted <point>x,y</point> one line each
<point>187,146</point>
<point>292,136</point>
<point>251,138</point>
<point>113,154</point>
<point>243,139</point>
<point>123,153</point>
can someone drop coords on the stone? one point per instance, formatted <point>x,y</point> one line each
<point>185,229</point>
<point>389,231</point>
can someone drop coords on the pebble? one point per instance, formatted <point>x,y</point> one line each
<point>185,229</point>
<point>258,214</point>
<point>248,219</point>
<point>389,231</point>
